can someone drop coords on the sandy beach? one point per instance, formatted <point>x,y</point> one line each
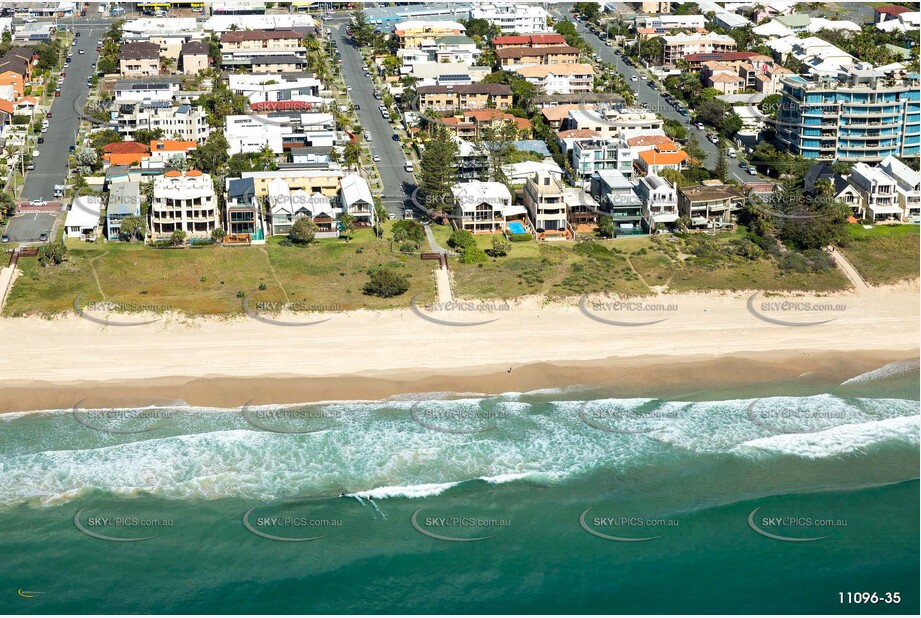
<point>707,338</point>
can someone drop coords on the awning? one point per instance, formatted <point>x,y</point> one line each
<point>666,217</point>
<point>886,210</point>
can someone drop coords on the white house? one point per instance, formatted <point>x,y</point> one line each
<point>483,206</point>
<point>878,193</point>
<point>357,200</point>
<point>83,218</point>
<point>252,134</point>
<point>660,202</point>
<point>513,18</point>
<point>908,185</point>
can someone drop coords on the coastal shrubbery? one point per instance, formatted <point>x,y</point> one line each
<point>386,282</point>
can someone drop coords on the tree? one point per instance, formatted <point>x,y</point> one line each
<point>145,136</point>
<point>351,154</point>
<point>131,228</point>
<point>347,225</point>
<point>98,139</point>
<point>211,157</point>
<point>178,237</point>
<point>606,227</point>
<point>500,246</point>
<point>722,165</point>
<point>303,231</point>
<point>7,204</point>
<point>770,105</point>
<point>692,147</point>
<point>437,173</point>
<point>461,239</point>
<point>386,283</point>
<point>361,28</point>
<point>495,141</point>
<point>380,215</point>
<point>218,234</point>
<point>51,254</point>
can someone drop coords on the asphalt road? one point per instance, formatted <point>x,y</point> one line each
<point>51,165</point>
<point>399,185</point>
<point>652,98</point>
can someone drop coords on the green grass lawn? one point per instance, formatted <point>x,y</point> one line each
<point>885,253</point>
<point>329,274</point>
<point>632,265</point>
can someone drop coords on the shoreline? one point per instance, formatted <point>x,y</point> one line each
<point>703,341</point>
<point>675,377</point>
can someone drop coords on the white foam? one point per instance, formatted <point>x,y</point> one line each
<point>840,440</point>
<point>895,368</point>
<point>406,491</point>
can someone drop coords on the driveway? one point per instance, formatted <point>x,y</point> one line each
<point>28,228</point>
<point>399,185</point>
<point>51,165</point>
<point>652,98</point>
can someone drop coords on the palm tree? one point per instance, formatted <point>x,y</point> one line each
<point>351,155</point>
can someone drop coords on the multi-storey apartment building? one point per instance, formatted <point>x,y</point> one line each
<point>600,153</point>
<point>180,122</point>
<point>415,34</point>
<point>660,202</point>
<point>676,47</point>
<point>860,114</point>
<point>511,17</point>
<point>617,197</point>
<point>560,78</point>
<point>908,183</point>
<point>544,197</point>
<point>465,97</point>
<point>140,59</point>
<point>512,57</point>
<point>879,197</point>
<point>709,202</point>
<point>184,201</point>
<point>263,51</point>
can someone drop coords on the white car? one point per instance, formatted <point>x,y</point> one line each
<point>376,158</point>
<point>38,202</point>
<point>609,44</point>
<point>35,154</point>
<point>349,89</point>
<point>81,51</point>
<point>634,79</point>
<point>29,20</point>
<point>70,54</point>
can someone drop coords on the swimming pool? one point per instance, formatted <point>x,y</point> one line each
<point>515,227</point>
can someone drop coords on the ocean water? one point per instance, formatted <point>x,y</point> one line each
<point>775,500</point>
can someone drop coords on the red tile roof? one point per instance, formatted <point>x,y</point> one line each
<point>125,148</point>
<point>892,9</point>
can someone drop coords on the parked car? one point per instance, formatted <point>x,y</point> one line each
<point>30,166</point>
<point>43,237</point>
<point>368,136</point>
<point>357,107</point>
<point>699,125</point>
<point>71,149</point>
<point>41,140</point>
<point>376,158</point>
<point>395,137</point>
<point>634,79</point>
<point>38,202</point>
<point>5,238</point>
<point>57,92</point>
<point>80,51</point>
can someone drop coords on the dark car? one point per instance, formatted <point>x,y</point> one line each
<point>395,137</point>
<point>43,237</point>
<point>357,106</point>
<point>41,140</point>
<point>57,93</point>
<point>71,149</point>
<point>78,34</point>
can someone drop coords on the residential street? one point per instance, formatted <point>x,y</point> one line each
<point>51,165</point>
<point>398,184</point>
<point>647,95</point>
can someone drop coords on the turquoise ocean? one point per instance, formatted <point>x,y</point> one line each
<point>797,497</point>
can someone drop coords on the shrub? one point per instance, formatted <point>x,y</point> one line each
<point>385,283</point>
<point>461,239</point>
<point>472,255</point>
<point>408,247</point>
<point>407,229</point>
<point>53,253</point>
<point>519,237</point>
<point>303,231</point>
